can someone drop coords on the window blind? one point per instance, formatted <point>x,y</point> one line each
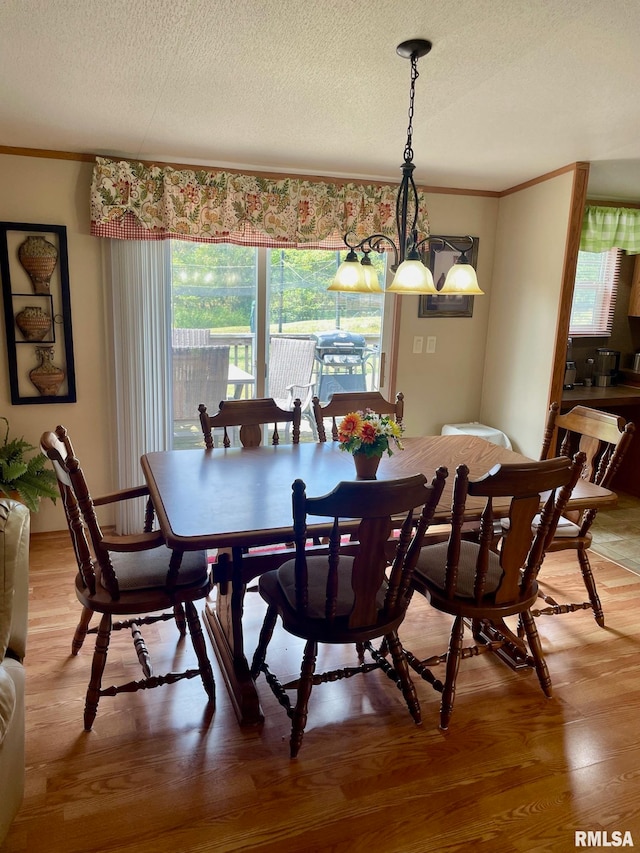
<point>594,295</point>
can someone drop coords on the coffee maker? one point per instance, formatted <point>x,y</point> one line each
<point>569,368</point>
<point>607,364</point>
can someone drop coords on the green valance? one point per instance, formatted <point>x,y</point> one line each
<point>134,201</point>
<point>605,228</point>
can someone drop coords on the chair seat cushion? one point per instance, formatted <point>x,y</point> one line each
<point>432,564</point>
<point>148,569</point>
<point>318,570</point>
<point>7,701</point>
<point>565,528</point>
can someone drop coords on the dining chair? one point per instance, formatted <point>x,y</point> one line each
<point>605,439</point>
<point>470,581</point>
<point>348,594</point>
<point>132,575</point>
<point>341,404</point>
<point>250,416</point>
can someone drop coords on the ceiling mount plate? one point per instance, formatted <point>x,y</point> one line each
<point>417,47</point>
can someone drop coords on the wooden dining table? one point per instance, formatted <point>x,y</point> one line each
<point>237,499</point>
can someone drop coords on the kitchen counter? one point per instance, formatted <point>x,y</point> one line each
<point>601,398</point>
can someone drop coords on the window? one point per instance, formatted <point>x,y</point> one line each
<point>594,295</point>
<point>242,299</point>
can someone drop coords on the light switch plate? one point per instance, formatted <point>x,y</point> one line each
<point>418,342</point>
<point>431,343</point>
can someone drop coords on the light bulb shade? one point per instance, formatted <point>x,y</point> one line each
<point>350,278</point>
<point>412,277</point>
<point>461,279</point>
<point>371,279</point>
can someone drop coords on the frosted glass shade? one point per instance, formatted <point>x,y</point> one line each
<point>371,279</point>
<point>462,279</point>
<point>350,278</point>
<point>412,277</point>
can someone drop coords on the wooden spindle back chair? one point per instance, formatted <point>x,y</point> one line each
<point>342,404</point>
<point>470,581</point>
<point>353,597</point>
<point>250,416</point>
<point>129,575</point>
<point>604,438</point>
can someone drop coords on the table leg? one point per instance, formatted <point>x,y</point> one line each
<point>223,618</point>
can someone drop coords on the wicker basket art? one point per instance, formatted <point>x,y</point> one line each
<point>39,258</point>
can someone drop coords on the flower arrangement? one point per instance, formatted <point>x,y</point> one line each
<point>369,433</point>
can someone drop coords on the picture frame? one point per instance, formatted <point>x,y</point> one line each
<point>34,274</point>
<point>440,259</point>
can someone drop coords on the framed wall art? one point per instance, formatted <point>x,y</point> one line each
<point>34,271</point>
<point>439,260</point>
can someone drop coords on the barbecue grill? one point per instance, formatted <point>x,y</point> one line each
<point>341,360</point>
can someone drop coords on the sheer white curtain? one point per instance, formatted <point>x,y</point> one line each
<point>141,321</point>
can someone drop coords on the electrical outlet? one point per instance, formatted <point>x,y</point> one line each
<point>418,341</point>
<point>431,343</point>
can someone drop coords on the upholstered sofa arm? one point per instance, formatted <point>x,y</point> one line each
<point>7,702</point>
<point>14,577</point>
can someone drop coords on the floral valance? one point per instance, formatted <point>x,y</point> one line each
<point>133,201</point>
<point>605,228</point>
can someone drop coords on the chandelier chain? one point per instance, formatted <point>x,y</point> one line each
<point>408,149</point>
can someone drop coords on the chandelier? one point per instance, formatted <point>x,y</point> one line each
<point>355,275</point>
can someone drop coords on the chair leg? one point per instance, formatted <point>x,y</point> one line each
<point>402,670</point>
<point>590,584</point>
<point>266,632</point>
<point>197,638</point>
<point>533,639</point>
<point>453,662</point>
<point>299,715</point>
<point>178,613</point>
<point>97,668</point>
<point>144,658</point>
<point>81,630</point>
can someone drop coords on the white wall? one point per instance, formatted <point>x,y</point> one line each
<point>525,297</point>
<point>56,192</point>
<point>446,386</point>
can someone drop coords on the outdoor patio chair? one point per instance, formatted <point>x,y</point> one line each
<point>291,362</point>
<point>199,374</point>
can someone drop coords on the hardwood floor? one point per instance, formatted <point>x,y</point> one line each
<point>515,773</point>
<point>616,532</point>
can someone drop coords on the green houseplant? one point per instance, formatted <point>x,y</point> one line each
<point>22,476</point>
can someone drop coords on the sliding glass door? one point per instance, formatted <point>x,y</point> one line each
<point>260,322</point>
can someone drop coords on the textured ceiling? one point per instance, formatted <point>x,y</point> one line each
<point>511,90</point>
